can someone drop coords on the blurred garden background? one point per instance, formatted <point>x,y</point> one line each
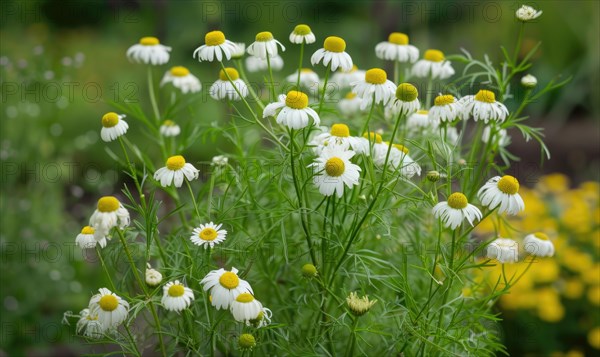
<point>63,65</point>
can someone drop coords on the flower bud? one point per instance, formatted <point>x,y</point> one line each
<point>246,341</point>
<point>153,277</point>
<point>359,306</point>
<point>433,176</point>
<point>309,271</point>
<point>529,81</point>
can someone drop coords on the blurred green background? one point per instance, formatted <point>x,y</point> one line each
<point>62,63</point>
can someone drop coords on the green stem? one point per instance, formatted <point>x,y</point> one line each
<point>366,125</point>
<point>300,65</point>
<point>350,349</point>
<point>194,200</point>
<point>250,88</point>
<point>429,92</point>
<point>152,96</point>
<point>518,46</point>
<point>273,96</point>
<point>397,76</point>
<point>324,88</point>
<point>112,285</point>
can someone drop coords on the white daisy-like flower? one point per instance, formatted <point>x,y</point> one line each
<point>149,51</point>
<point>223,88</point>
<point>176,296</point>
<point>216,46</point>
<point>88,325</point>
<point>527,13</point>
<point>504,250</point>
<point>433,64</point>
<point>420,122</point>
<point>240,50</point>
<point>169,128</point>
<point>407,101</point>
<point>343,78</point>
<point>375,86</point>
<point>153,276</point>
<point>113,126</point>
<point>110,308</point>
<point>529,81</point>
<point>220,160</point>
<point>333,54</point>
<point>396,48</point>
<point>455,210</point>
<point>224,287</point>
<point>302,33</point>
<point>445,109</point>
<point>370,141</point>
<point>182,79</point>
<point>208,234</point>
<point>538,244</point>
<point>333,170</point>
<point>308,78</point>
<point>108,214</point>
<point>295,111</point>
<point>500,136</point>
<point>398,159</point>
<point>86,239</point>
<point>338,135</point>
<point>483,106</point>
<point>350,104</point>
<point>503,192</point>
<point>256,64</point>
<point>175,170</point>
<point>245,308</point>
<point>263,319</point>
<point>265,45</point>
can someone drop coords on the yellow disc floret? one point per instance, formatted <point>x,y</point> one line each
<point>340,130</point>
<point>434,55</point>
<point>244,297</point>
<point>334,44</point>
<point>108,204</point>
<point>302,30</point>
<point>402,148</point>
<point>229,280</point>
<point>110,119</point>
<point>208,234</point>
<point>179,71</point>
<point>108,303</point>
<point>541,235</point>
<point>231,72</point>
<point>335,167</point>
<point>375,76</point>
<point>457,200</point>
<point>87,230</point>
<point>149,41</point>
<point>176,290</point>
<point>214,38</point>
<point>398,38</point>
<point>508,185</point>
<point>350,95</point>
<point>372,136</point>
<point>296,100</point>
<point>175,163</point>
<point>406,92</point>
<point>486,96</point>
<point>264,36</point>
<point>444,100</point>
<point>168,122</point>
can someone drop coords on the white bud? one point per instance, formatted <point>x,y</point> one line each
<point>527,13</point>
<point>220,160</point>
<point>529,81</point>
<point>153,277</point>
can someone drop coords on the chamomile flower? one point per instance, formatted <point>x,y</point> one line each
<point>220,161</point>
<point>153,276</point>
<point>407,101</point>
<point>396,48</point>
<point>302,33</point>
<point>433,65</point>
<point>445,109</point>
<point>113,126</point>
<point>343,78</point>
<point>264,46</point>
<point>370,141</point>
<point>176,296</point>
<point>224,88</point>
<point>240,50</point>
<point>263,319</point>
<point>455,210</point>
<point>108,214</point>
<point>333,170</point>
<point>308,78</point>
<point>399,159</point>
<point>527,13</point>
<point>502,192</point>
<point>538,244</point>
<point>224,287</point>
<point>500,136</point>
<point>483,106</point>
<point>333,54</point>
<point>419,122</point>
<point>169,128</point>
<point>182,79</point>
<point>350,104</point>
<point>504,250</point>
<point>216,46</point>
<point>88,325</point>
<point>208,234</point>
<point>245,308</point>
<point>174,171</point>
<point>110,308</point>
<point>295,111</point>
<point>338,135</point>
<point>149,51</point>
<point>374,86</point>
<point>256,64</point>
<point>359,306</point>
<point>86,239</point>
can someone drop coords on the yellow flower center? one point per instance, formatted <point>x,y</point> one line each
<point>180,71</point>
<point>108,204</point>
<point>306,70</point>
<point>444,100</point>
<point>296,100</point>
<point>340,130</point>
<point>508,185</point>
<point>422,112</point>
<point>302,30</point>
<point>434,55</point>
<point>334,44</point>
<point>264,36</point>
<point>168,122</point>
<point>335,167</point>
<point>214,38</point>
<point>87,230</point>
<point>244,297</point>
<point>540,235</point>
<point>175,163</point>
<point>373,137</point>
<point>229,280</point>
<point>149,41</point>
<point>108,303</point>
<point>485,96</point>
<point>231,72</point>
<point>208,234</point>
<point>246,341</point>
<point>406,92</point>
<point>176,290</point>
<point>398,38</point>
<point>351,95</point>
<point>402,148</point>
<point>457,200</point>
<point>375,76</point>
<point>110,119</point>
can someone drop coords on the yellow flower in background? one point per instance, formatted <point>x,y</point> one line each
<point>573,288</point>
<point>594,337</point>
<point>592,275</point>
<point>554,183</point>
<point>545,271</point>
<point>593,294</point>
